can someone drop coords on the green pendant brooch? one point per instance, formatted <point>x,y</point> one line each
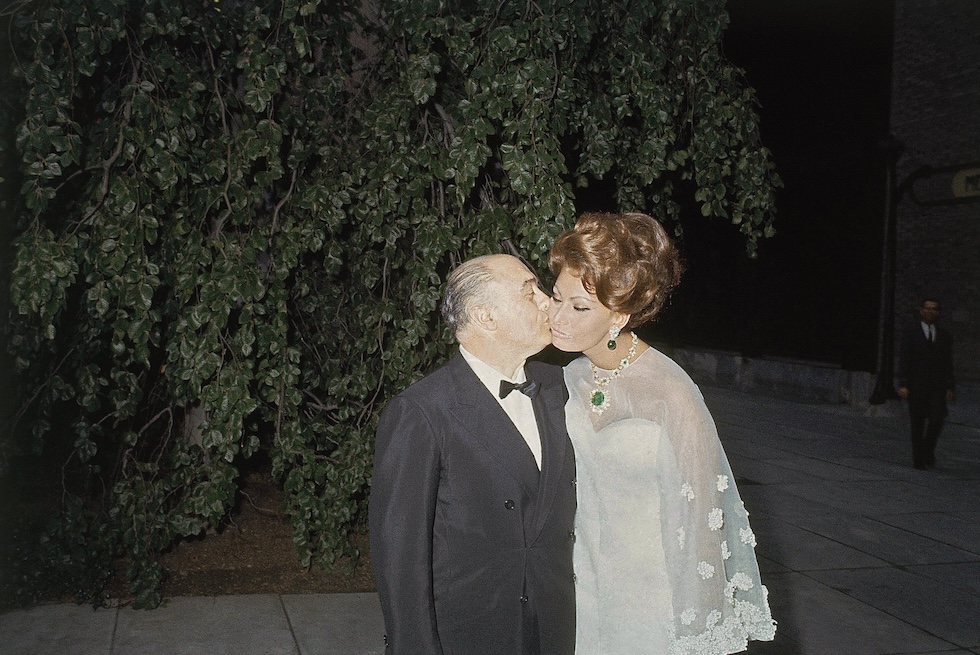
<point>599,400</point>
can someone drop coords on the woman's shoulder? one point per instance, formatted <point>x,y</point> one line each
<point>661,376</point>
<point>660,365</point>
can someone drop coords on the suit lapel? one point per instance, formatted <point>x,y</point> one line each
<point>549,412</point>
<point>488,424</point>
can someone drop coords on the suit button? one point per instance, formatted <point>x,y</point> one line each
<point>509,504</point>
<point>523,599</point>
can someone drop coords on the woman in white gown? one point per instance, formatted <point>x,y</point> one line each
<point>664,555</point>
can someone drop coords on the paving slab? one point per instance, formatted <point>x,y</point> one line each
<point>870,497</point>
<point>764,472</point>
<point>825,470</point>
<point>824,621</point>
<point>945,528</point>
<point>958,496</point>
<point>67,629</point>
<point>896,469</point>
<point>963,575</point>
<point>767,565</point>
<point>776,501</point>
<point>781,645</point>
<point>941,610</point>
<point>223,625</point>
<point>893,545</point>
<point>752,447</point>
<point>336,624</point>
<point>800,550</point>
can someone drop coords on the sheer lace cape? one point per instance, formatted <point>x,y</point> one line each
<point>716,599</point>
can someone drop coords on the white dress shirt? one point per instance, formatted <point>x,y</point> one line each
<point>929,331</point>
<point>517,406</point>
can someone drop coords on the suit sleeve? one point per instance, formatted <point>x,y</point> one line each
<point>404,487</point>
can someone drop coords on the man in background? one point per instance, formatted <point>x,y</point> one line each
<point>925,380</point>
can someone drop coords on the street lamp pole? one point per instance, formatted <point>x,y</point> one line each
<point>884,388</point>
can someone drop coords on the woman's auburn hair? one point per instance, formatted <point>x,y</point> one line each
<point>627,260</point>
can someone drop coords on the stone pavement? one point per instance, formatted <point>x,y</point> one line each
<point>862,554</point>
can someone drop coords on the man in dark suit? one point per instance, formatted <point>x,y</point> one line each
<point>473,493</point>
<point>925,379</point>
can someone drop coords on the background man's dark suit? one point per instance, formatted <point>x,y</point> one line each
<point>476,554</point>
<point>925,369</point>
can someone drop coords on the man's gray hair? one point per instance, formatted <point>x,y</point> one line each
<point>468,284</point>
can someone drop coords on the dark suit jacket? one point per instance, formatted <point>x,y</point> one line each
<point>926,368</point>
<point>471,546</point>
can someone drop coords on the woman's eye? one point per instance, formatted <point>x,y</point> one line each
<point>581,309</point>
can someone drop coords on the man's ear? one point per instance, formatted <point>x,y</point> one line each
<point>482,317</point>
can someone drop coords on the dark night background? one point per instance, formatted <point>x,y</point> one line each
<point>822,73</point>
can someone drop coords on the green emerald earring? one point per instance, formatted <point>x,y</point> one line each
<point>613,333</point>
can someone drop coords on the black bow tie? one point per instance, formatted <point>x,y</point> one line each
<point>529,388</point>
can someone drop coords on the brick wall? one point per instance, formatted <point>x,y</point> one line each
<point>936,119</point>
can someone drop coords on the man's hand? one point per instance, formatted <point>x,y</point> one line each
<point>903,392</point>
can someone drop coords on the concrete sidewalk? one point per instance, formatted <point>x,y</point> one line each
<point>862,554</point>
<point>325,624</point>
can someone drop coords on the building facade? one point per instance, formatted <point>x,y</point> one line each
<point>935,122</point>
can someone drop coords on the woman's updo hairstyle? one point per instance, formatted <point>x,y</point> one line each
<point>626,260</point>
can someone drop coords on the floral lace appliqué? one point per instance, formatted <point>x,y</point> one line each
<point>705,570</point>
<point>725,553</point>
<point>712,619</point>
<point>740,581</point>
<point>687,491</point>
<point>722,482</point>
<point>681,537</point>
<point>747,536</point>
<point>730,635</point>
<point>716,519</point>
<point>688,616</point>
